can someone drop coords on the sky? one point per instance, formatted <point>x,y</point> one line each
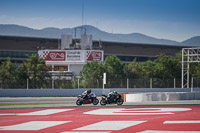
<point>165,19</point>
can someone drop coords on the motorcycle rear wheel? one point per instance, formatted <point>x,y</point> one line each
<point>79,102</point>
<point>95,101</point>
<point>120,101</point>
<point>103,102</point>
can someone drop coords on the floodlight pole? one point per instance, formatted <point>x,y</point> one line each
<point>189,55</point>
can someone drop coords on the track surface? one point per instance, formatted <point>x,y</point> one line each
<point>122,119</point>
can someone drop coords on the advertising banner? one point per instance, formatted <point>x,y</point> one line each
<point>93,55</point>
<point>70,56</point>
<point>52,55</point>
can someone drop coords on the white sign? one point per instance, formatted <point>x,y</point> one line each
<point>65,57</point>
<point>74,55</point>
<point>104,78</point>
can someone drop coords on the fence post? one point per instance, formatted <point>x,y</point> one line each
<point>97,83</point>
<point>150,82</point>
<point>52,83</point>
<point>78,83</point>
<point>127,83</point>
<point>1,84</point>
<point>192,84</point>
<point>27,83</point>
<point>174,82</point>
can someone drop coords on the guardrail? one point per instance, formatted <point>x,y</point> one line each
<point>75,92</point>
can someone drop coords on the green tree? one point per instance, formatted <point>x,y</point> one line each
<point>91,72</point>
<point>134,70</point>
<point>113,67</point>
<point>195,70</point>
<point>167,67</point>
<point>74,82</point>
<point>148,69</point>
<point>35,69</point>
<point>8,74</point>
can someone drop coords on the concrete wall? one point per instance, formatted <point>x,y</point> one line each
<point>75,92</point>
<point>162,96</point>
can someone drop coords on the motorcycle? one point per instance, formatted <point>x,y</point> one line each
<point>116,100</point>
<point>92,99</point>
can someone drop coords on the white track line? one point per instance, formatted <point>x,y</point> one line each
<point>182,122</point>
<point>110,125</point>
<point>33,125</point>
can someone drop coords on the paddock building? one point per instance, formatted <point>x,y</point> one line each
<point>17,48</point>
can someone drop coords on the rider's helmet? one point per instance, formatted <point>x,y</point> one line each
<point>115,92</point>
<point>89,91</point>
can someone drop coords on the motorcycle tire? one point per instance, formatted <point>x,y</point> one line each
<point>79,102</point>
<point>103,102</point>
<point>95,101</point>
<point>120,101</point>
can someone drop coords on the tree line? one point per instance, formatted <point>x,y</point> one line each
<point>162,68</point>
<point>14,75</point>
<point>35,72</point>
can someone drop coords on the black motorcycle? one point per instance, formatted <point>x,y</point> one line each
<point>111,100</point>
<point>92,99</point>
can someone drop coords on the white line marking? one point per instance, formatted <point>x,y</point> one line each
<point>155,131</point>
<point>41,112</point>
<point>85,132</point>
<point>34,125</point>
<point>110,125</point>
<point>46,112</point>
<point>181,122</point>
<point>8,114</point>
<point>122,111</point>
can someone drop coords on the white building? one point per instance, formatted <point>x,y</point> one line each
<point>71,60</point>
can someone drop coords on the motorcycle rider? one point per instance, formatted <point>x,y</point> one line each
<point>112,96</point>
<point>86,94</point>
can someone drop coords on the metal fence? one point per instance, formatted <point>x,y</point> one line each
<point>110,83</point>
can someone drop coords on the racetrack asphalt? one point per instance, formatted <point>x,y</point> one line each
<point>116,119</point>
<point>71,102</point>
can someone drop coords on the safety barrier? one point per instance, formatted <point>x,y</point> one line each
<point>75,92</point>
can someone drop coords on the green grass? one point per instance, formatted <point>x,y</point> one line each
<point>14,104</point>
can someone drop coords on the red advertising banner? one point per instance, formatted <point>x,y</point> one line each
<point>94,55</point>
<point>54,55</point>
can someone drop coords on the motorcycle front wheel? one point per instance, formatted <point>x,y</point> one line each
<point>103,102</point>
<point>120,101</point>
<point>79,102</point>
<point>95,101</point>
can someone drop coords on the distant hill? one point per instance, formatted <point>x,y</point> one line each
<point>195,41</point>
<point>16,30</point>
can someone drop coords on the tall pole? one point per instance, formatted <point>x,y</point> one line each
<point>188,70</point>
<point>82,13</point>
<point>182,76</point>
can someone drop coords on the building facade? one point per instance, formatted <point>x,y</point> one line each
<point>72,54</point>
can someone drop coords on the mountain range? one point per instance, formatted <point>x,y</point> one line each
<point>76,32</point>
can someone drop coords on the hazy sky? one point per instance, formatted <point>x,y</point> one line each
<point>169,19</point>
